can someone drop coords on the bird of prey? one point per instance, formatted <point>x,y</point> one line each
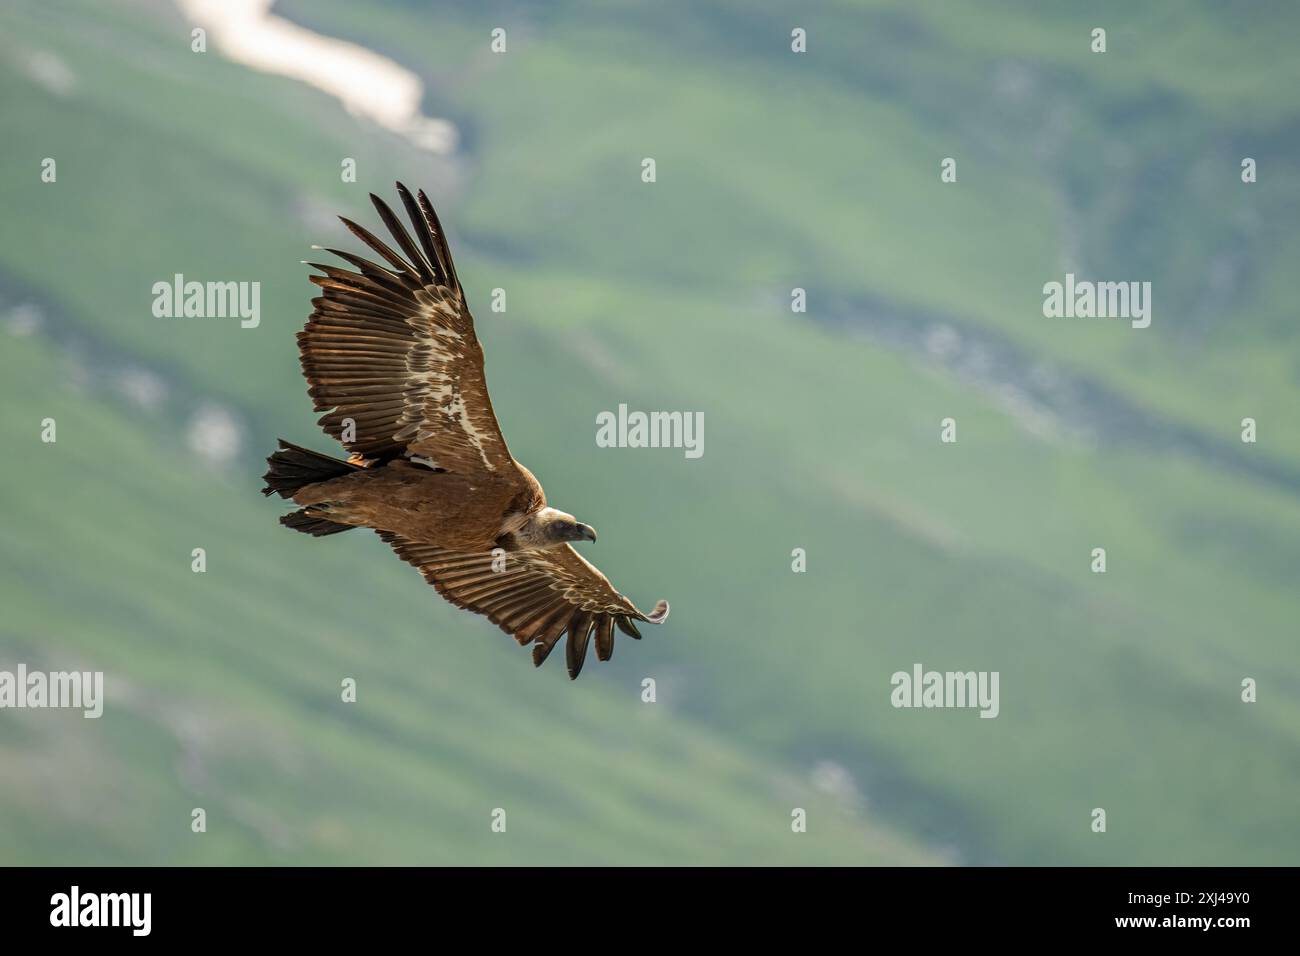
<point>391,358</point>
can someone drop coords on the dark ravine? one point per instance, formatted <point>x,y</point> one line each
<point>1044,395</point>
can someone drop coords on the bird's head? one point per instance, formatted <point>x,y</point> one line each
<point>550,527</point>
<point>565,527</point>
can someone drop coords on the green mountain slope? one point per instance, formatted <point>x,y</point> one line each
<point>822,432</point>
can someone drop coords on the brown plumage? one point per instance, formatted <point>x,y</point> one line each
<point>391,358</point>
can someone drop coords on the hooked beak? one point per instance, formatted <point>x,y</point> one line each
<point>586,532</point>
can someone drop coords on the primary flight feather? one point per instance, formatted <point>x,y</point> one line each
<point>391,358</point>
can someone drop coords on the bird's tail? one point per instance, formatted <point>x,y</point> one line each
<point>294,467</point>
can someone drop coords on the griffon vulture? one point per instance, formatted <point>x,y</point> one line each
<point>391,358</point>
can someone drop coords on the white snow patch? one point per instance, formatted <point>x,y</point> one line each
<point>368,84</point>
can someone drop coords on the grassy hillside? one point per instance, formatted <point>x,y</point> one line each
<point>774,171</point>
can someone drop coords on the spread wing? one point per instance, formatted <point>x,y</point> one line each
<point>536,597</point>
<point>390,352</point>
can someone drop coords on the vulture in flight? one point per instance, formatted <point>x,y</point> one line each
<point>391,358</point>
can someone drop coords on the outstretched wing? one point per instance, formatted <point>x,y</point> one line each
<point>390,352</point>
<point>536,597</point>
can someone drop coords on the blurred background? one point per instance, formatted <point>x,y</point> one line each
<point>775,170</point>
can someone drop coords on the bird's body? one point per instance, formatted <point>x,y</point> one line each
<point>473,513</point>
<point>391,357</point>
